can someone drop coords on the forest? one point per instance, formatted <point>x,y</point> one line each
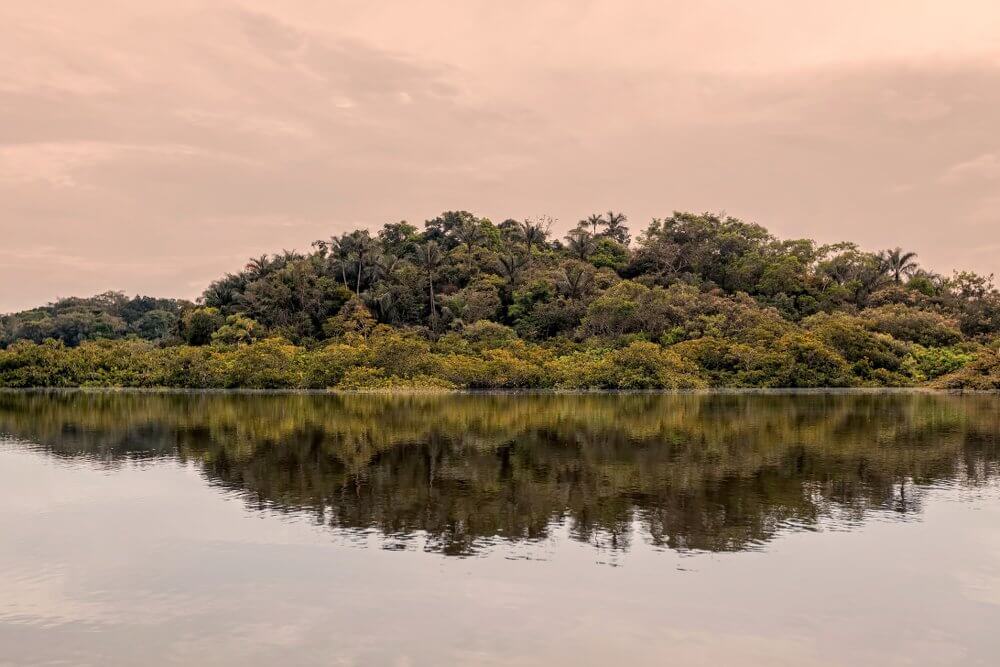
<point>693,301</point>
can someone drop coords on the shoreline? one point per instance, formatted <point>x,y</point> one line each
<point>416,391</point>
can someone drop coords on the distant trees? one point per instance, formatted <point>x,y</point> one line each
<point>109,315</point>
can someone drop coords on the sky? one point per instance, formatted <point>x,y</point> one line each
<point>152,146</point>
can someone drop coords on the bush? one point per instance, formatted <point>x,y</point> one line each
<point>799,361</point>
<point>982,374</point>
<point>327,366</point>
<point>272,363</point>
<point>930,363</point>
<point>27,364</point>
<point>193,367</point>
<point>867,351</point>
<point>906,323</point>
<point>641,365</point>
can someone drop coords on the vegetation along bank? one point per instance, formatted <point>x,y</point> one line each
<point>695,301</point>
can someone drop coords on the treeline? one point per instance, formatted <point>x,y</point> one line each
<point>108,316</point>
<point>693,301</point>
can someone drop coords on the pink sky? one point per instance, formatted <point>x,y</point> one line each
<point>151,146</point>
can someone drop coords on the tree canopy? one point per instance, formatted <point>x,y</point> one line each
<point>694,300</point>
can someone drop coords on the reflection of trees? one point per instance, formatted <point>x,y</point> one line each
<point>717,472</point>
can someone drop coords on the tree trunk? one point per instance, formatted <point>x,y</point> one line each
<point>430,281</point>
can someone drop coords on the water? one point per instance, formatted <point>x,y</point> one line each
<point>750,529</point>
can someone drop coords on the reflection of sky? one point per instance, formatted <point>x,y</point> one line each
<point>146,564</point>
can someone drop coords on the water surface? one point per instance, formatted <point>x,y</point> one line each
<point>242,529</point>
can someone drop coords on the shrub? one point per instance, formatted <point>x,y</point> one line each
<point>981,374</point>
<point>268,364</point>
<point>868,351</point>
<point>906,323</point>
<point>641,365</point>
<point>930,363</point>
<point>327,366</point>
<point>799,361</point>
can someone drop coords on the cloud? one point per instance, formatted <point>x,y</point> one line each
<point>986,167</point>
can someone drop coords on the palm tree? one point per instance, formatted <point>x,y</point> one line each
<point>258,266</point>
<point>338,250</point>
<point>286,257</point>
<point>384,265</point>
<point>574,279</point>
<point>362,246</point>
<point>469,232</point>
<point>899,263</point>
<point>509,266</point>
<point>593,221</point>
<point>614,227</point>
<point>429,257</point>
<point>531,233</point>
<point>580,243</point>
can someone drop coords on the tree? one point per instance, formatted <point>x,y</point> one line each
<point>510,266</point>
<point>200,324</point>
<point>593,221</point>
<point>398,238</point>
<point>156,324</point>
<point>469,232</point>
<point>429,257</point>
<point>257,267</point>
<point>574,279</point>
<point>899,263</point>
<point>362,247</point>
<point>614,227</point>
<point>532,233</point>
<point>337,250</point>
<point>580,243</point>
<point>238,330</point>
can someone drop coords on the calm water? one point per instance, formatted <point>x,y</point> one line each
<point>214,529</point>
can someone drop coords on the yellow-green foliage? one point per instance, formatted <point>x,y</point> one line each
<point>876,358</point>
<point>980,374</point>
<point>641,365</point>
<point>834,351</point>
<point>913,324</point>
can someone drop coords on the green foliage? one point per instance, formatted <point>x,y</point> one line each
<point>911,324</point>
<point>875,357</point>
<point>609,253</point>
<point>200,324</point>
<point>931,363</point>
<point>980,374</point>
<point>238,330</point>
<point>354,318</point>
<point>272,363</point>
<point>699,299</point>
<point>106,316</point>
<point>640,365</point>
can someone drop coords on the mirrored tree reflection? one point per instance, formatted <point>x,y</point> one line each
<point>717,472</point>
